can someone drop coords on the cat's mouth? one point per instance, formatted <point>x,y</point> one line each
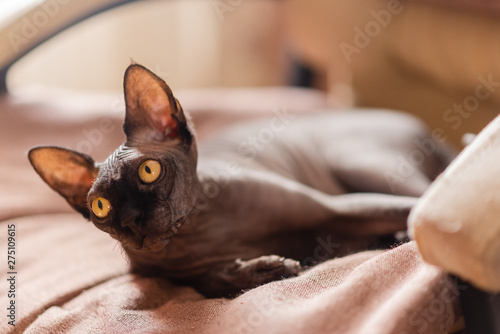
<point>149,243</point>
<point>156,243</point>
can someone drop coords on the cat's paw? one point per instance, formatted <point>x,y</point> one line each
<point>240,275</point>
<point>268,268</point>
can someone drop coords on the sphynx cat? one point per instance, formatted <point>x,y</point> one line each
<point>251,203</point>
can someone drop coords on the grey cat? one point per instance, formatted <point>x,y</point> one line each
<point>240,213</point>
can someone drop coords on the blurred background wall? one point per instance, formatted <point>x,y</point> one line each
<point>437,59</point>
<point>190,43</point>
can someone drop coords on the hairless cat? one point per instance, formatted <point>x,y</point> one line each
<point>238,213</point>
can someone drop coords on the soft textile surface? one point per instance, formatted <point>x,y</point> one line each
<point>72,278</point>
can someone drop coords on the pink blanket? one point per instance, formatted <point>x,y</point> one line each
<point>71,278</point>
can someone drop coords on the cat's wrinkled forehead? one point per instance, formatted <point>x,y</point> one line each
<point>122,155</point>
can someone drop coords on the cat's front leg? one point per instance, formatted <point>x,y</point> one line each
<point>232,279</point>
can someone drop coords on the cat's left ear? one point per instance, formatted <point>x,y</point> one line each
<point>152,111</point>
<point>69,173</point>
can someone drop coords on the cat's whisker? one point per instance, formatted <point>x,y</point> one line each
<point>123,253</point>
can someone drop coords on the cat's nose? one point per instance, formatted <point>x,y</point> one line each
<point>130,218</point>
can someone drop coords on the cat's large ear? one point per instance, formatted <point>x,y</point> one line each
<point>69,173</point>
<point>152,111</point>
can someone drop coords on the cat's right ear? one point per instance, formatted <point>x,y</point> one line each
<point>69,173</point>
<point>152,111</point>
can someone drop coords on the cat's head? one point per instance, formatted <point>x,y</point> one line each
<point>143,192</point>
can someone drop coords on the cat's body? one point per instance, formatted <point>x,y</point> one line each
<point>302,187</point>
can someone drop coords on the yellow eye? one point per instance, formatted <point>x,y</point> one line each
<point>100,207</point>
<point>149,171</point>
